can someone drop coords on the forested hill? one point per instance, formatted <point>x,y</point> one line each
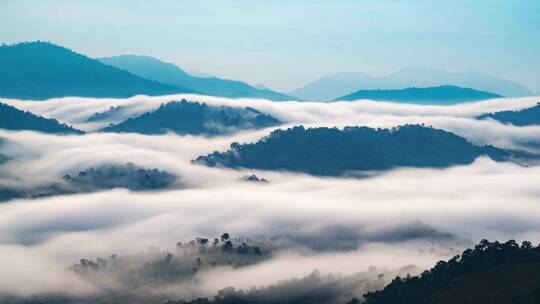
<point>330,151</point>
<point>491,273</point>
<point>525,117</point>
<point>93,179</point>
<point>194,118</point>
<point>12,118</point>
<point>433,95</point>
<point>41,70</point>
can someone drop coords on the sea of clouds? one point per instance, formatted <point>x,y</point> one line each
<point>335,225</point>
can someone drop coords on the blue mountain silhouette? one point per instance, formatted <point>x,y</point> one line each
<point>155,69</point>
<point>525,117</point>
<point>340,84</point>
<point>42,70</point>
<point>433,95</point>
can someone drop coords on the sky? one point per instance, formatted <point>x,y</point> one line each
<point>287,44</point>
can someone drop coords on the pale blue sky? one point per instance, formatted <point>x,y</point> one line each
<point>285,44</point>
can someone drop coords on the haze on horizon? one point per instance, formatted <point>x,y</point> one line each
<point>285,44</point>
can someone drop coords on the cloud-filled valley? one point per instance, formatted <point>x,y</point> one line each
<point>335,225</point>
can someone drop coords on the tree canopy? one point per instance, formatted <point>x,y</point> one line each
<point>330,151</point>
<point>194,118</point>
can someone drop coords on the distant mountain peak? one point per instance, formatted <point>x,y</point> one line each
<point>339,84</point>
<point>42,70</point>
<point>147,67</point>
<point>168,73</point>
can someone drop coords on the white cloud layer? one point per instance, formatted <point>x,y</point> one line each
<point>39,238</point>
<point>455,118</point>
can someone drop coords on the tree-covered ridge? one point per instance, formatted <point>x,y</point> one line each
<point>491,273</point>
<point>41,70</point>
<point>104,177</point>
<point>156,267</point>
<point>254,179</point>
<point>525,117</point>
<point>108,114</point>
<point>12,118</point>
<point>434,95</point>
<point>312,289</point>
<point>127,176</point>
<point>330,151</point>
<point>194,118</point>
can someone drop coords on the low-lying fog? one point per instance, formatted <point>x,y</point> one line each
<point>335,225</point>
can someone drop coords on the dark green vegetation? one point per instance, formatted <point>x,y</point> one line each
<point>41,70</point>
<point>491,273</point>
<point>155,69</point>
<point>126,176</point>
<point>254,179</point>
<point>12,118</point>
<point>158,268</point>
<point>194,118</point>
<point>110,113</point>
<point>432,95</point>
<point>135,274</point>
<point>312,289</point>
<point>525,117</point>
<point>330,151</point>
<point>104,177</point>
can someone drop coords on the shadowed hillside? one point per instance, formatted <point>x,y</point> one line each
<point>12,118</point>
<point>525,117</point>
<point>41,70</point>
<point>491,273</point>
<point>194,118</point>
<point>330,151</point>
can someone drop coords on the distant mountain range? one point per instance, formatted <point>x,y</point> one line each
<point>525,117</point>
<point>433,95</point>
<point>168,73</point>
<point>41,70</point>
<point>193,118</point>
<point>12,118</point>
<point>334,152</point>
<point>340,84</point>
